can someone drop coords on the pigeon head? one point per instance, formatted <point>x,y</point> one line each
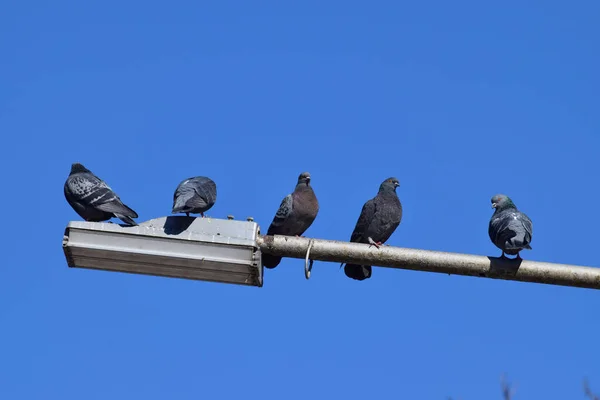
<point>502,202</point>
<point>77,167</point>
<point>304,178</point>
<point>389,184</point>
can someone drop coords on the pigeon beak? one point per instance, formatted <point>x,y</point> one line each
<point>493,205</point>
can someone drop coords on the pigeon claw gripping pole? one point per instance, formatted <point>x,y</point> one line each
<point>374,243</point>
<point>308,266</point>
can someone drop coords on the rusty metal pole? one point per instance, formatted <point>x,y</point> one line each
<point>432,261</point>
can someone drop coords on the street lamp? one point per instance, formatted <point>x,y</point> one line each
<point>207,249</point>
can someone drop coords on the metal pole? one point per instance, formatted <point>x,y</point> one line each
<point>432,261</point>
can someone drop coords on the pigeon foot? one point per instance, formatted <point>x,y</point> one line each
<point>373,243</point>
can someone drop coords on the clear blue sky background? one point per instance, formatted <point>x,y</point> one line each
<point>459,100</point>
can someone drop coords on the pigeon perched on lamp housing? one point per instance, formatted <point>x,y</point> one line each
<point>93,199</point>
<point>194,196</point>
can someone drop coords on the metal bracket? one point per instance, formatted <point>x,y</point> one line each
<point>308,266</point>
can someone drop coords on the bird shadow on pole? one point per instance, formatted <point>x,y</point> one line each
<point>174,225</point>
<point>500,267</point>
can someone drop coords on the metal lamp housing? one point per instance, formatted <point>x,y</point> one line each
<point>207,249</point>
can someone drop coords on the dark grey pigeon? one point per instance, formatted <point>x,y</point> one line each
<point>93,199</point>
<point>378,219</point>
<point>510,229</point>
<point>195,195</point>
<point>296,214</point>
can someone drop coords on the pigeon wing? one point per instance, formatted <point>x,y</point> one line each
<point>283,213</point>
<point>499,229</point>
<point>364,220</point>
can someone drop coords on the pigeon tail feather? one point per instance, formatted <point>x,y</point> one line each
<point>358,272</point>
<point>126,219</point>
<point>180,205</point>
<point>117,207</point>
<point>130,212</point>
<point>270,261</point>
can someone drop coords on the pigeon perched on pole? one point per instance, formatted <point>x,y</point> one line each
<point>194,195</point>
<point>510,229</point>
<point>378,219</point>
<point>296,214</point>
<point>93,199</point>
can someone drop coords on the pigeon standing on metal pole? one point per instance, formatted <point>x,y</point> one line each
<point>378,219</point>
<point>510,229</point>
<point>296,214</point>
<point>194,195</point>
<point>93,199</point>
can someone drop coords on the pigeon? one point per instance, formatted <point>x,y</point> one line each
<point>510,229</point>
<point>195,195</point>
<point>296,214</point>
<point>93,199</point>
<point>378,219</point>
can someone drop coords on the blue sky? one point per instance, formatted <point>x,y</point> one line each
<point>459,100</point>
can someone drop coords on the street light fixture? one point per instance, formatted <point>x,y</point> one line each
<point>207,249</point>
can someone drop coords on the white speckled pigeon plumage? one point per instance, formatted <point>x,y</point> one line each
<point>93,199</point>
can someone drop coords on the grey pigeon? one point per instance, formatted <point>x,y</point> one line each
<point>378,219</point>
<point>296,214</point>
<point>93,199</point>
<point>510,229</point>
<point>195,195</point>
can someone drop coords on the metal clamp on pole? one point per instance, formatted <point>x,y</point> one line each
<point>308,266</point>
